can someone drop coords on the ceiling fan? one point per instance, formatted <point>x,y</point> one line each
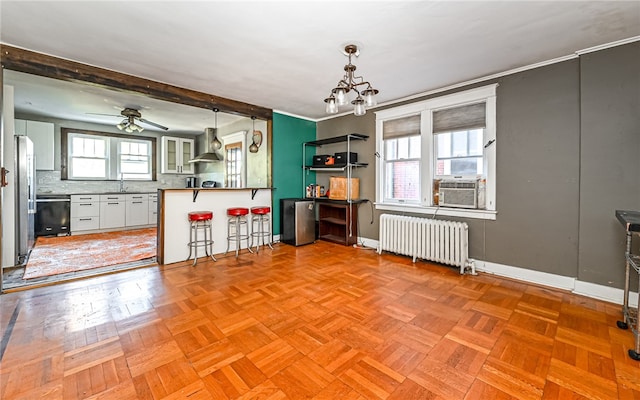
<point>128,124</point>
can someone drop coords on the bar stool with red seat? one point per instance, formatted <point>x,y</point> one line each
<point>237,219</point>
<point>260,216</point>
<point>200,220</point>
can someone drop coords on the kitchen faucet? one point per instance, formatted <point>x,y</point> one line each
<point>121,183</point>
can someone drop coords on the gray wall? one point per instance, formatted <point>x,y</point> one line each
<point>610,158</point>
<point>568,139</point>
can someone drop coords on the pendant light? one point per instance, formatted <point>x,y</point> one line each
<point>217,145</point>
<point>256,138</point>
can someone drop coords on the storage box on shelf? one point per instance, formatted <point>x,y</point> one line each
<point>341,188</point>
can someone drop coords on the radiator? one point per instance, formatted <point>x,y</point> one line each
<point>445,242</point>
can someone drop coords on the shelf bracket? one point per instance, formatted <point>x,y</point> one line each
<point>195,194</point>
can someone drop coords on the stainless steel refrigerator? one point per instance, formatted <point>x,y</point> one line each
<point>25,190</point>
<point>297,221</point>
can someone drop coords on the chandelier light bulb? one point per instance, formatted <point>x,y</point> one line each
<point>350,83</point>
<point>369,97</point>
<point>332,107</point>
<point>341,96</point>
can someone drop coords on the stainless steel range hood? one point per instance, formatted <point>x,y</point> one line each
<point>210,154</point>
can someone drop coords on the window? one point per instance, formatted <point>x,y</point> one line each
<point>88,157</point>
<point>133,159</point>
<point>91,155</point>
<point>402,160</point>
<point>420,144</point>
<point>233,162</point>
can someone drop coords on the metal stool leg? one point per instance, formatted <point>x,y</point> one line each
<point>190,240</point>
<point>267,233</point>
<point>208,243</point>
<point>194,227</point>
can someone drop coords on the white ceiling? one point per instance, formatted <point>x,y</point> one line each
<point>288,55</point>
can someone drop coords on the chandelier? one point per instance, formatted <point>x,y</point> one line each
<point>365,97</point>
<point>129,125</point>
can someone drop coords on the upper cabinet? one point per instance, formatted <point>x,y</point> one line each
<point>41,134</point>
<point>176,153</point>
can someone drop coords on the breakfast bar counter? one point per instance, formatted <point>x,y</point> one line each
<point>175,204</point>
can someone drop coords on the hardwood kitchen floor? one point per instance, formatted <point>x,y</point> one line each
<point>321,321</point>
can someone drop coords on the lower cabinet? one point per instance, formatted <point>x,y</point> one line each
<point>112,211</point>
<point>85,213</point>
<point>338,223</point>
<point>153,208</point>
<point>137,209</point>
<point>107,212</point>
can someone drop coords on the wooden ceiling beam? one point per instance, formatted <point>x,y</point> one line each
<point>30,62</point>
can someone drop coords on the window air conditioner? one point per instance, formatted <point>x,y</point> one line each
<point>462,193</point>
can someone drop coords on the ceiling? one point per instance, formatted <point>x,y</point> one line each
<point>288,55</point>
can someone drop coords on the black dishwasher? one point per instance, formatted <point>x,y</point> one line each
<point>53,214</point>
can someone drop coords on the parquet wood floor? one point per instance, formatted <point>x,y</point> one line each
<point>321,321</point>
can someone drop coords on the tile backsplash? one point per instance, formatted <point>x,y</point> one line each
<point>49,182</point>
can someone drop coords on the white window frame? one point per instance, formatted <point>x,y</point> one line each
<point>426,108</point>
<point>148,175</point>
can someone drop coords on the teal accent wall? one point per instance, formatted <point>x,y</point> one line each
<point>288,135</point>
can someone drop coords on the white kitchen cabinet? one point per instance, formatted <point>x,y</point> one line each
<point>112,211</point>
<point>41,134</point>
<point>85,213</point>
<point>153,209</point>
<point>176,153</point>
<point>137,212</point>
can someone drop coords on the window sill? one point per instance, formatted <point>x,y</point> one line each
<point>452,212</point>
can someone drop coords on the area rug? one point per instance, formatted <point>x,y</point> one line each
<point>63,254</point>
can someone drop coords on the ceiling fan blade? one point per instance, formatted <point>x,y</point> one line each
<point>153,124</point>
<point>107,115</point>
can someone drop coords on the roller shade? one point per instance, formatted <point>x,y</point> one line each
<point>401,127</point>
<point>462,118</point>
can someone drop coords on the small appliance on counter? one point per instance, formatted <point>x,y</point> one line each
<point>210,184</point>
<point>192,182</point>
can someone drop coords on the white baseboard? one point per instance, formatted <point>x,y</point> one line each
<point>593,290</point>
